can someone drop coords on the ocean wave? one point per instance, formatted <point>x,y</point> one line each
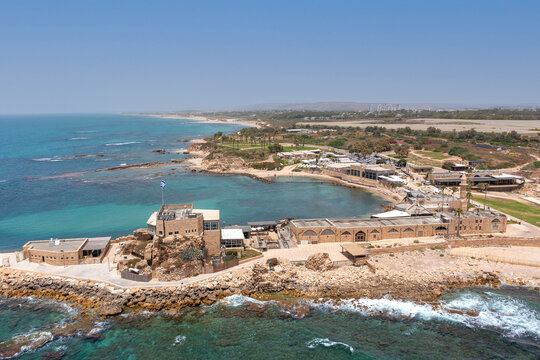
<point>48,159</point>
<point>25,343</point>
<point>239,300</point>
<point>79,138</point>
<point>180,340</point>
<point>509,316</point>
<point>123,143</point>
<point>312,344</point>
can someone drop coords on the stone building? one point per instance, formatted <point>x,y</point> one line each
<point>315,231</point>
<point>498,181</point>
<point>176,220</point>
<point>66,251</point>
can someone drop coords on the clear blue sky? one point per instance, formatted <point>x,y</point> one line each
<point>101,56</point>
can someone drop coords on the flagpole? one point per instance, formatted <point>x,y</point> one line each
<point>162,202</point>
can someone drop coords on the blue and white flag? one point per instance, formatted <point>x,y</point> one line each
<point>162,185</point>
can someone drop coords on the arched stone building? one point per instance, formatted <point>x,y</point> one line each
<point>315,231</point>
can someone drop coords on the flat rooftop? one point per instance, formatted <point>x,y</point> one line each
<point>97,243</point>
<point>347,223</point>
<point>57,245</point>
<point>354,249</point>
<point>472,214</point>
<point>208,214</point>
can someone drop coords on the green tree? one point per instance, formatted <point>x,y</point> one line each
<point>275,148</point>
<point>484,187</point>
<point>443,187</point>
<point>458,212</point>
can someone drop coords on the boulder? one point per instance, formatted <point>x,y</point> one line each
<point>319,262</point>
<point>110,309</point>
<point>142,235</point>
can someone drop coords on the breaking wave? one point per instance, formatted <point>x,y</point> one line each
<point>312,344</point>
<point>123,143</point>
<point>239,300</point>
<point>180,340</point>
<point>79,138</point>
<point>510,316</point>
<point>48,159</point>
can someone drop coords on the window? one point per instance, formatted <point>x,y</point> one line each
<point>214,225</point>
<point>170,233</point>
<point>176,232</point>
<point>161,233</point>
<point>392,230</point>
<point>408,230</point>
<point>327,232</point>
<point>374,232</point>
<point>206,226</point>
<point>495,227</point>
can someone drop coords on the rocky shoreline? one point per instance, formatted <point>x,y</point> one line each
<point>255,281</point>
<point>199,162</point>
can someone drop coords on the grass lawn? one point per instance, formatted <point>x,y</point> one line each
<point>241,146</point>
<point>297,148</point>
<point>434,155</point>
<point>525,212</point>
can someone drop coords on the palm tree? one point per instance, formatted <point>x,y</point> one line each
<point>443,187</point>
<point>484,187</point>
<point>458,212</point>
<point>454,189</point>
<point>469,196</point>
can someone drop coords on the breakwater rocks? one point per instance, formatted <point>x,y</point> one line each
<point>256,281</point>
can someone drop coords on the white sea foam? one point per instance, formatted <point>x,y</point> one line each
<point>79,138</point>
<point>48,159</point>
<point>180,340</point>
<point>238,300</point>
<point>312,344</point>
<point>501,313</point>
<point>123,143</point>
<point>36,340</point>
<point>99,327</point>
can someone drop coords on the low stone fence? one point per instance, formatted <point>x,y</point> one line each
<point>209,269</point>
<point>135,277</point>
<point>503,259</point>
<point>500,241</point>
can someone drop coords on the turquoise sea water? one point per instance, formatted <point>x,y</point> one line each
<point>45,190</point>
<point>507,327</point>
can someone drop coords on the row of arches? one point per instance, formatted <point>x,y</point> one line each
<point>360,235</point>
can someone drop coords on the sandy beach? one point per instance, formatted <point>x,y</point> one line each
<point>256,124</point>
<point>196,163</point>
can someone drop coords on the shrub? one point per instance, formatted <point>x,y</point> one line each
<point>457,150</point>
<point>267,166</point>
<point>416,241</point>
<point>191,254</point>
<point>338,143</point>
<point>275,148</point>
